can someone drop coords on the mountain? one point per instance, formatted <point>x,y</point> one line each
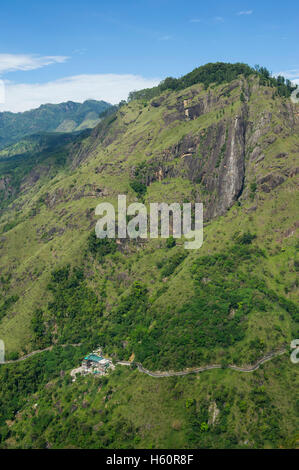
<point>225,135</point>
<point>36,143</point>
<point>63,117</point>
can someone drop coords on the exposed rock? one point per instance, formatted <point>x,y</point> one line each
<point>215,157</point>
<point>270,182</point>
<point>291,172</point>
<point>281,155</point>
<point>278,129</point>
<point>255,154</point>
<point>252,209</point>
<point>6,187</point>
<point>260,158</point>
<point>230,183</point>
<point>34,176</point>
<point>52,199</point>
<point>157,101</point>
<point>270,139</point>
<point>213,413</point>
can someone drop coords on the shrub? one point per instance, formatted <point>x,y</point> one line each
<point>170,242</point>
<point>246,238</point>
<point>100,247</point>
<point>138,187</point>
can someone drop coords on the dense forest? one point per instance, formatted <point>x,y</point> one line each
<point>216,73</point>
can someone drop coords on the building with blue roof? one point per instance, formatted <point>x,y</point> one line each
<point>94,362</point>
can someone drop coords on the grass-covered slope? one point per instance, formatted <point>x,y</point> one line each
<point>36,143</point>
<point>233,146</point>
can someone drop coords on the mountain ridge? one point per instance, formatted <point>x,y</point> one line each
<point>49,118</point>
<point>233,146</point>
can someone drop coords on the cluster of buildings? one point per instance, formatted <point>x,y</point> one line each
<point>96,364</point>
<point>93,363</point>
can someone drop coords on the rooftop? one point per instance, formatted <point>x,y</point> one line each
<point>93,357</point>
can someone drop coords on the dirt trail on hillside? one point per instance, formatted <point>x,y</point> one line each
<point>39,351</point>
<point>170,373</point>
<point>196,370</point>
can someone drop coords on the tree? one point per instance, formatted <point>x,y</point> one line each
<point>170,242</point>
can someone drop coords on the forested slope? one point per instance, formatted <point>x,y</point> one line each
<point>232,144</point>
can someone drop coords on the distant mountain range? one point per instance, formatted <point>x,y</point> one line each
<point>63,117</point>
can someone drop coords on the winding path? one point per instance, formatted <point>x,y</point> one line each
<point>196,370</point>
<point>169,373</point>
<point>39,351</point>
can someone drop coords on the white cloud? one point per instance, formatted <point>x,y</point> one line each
<point>195,20</point>
<point>2,92</point>
<point>247,12</point>
<point>218,19</point>
<point>14,62</point>
<point>109,87</point>
<point>292,75</point>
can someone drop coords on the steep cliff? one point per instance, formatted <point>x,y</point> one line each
<point>233,146</point>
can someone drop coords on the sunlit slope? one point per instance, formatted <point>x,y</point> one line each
<point>233,147</point>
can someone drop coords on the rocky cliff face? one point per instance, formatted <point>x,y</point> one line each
<point>221,157</point>
<point>213,158</point>
<point>230,182</point>
<point>6,188</point>
<point>210,138</point>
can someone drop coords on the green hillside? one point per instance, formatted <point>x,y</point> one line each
<point>63,117</point>
<point>36,143</point>
<point>231,143</point>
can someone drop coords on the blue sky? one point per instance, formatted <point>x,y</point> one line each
<point>51,51</point>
